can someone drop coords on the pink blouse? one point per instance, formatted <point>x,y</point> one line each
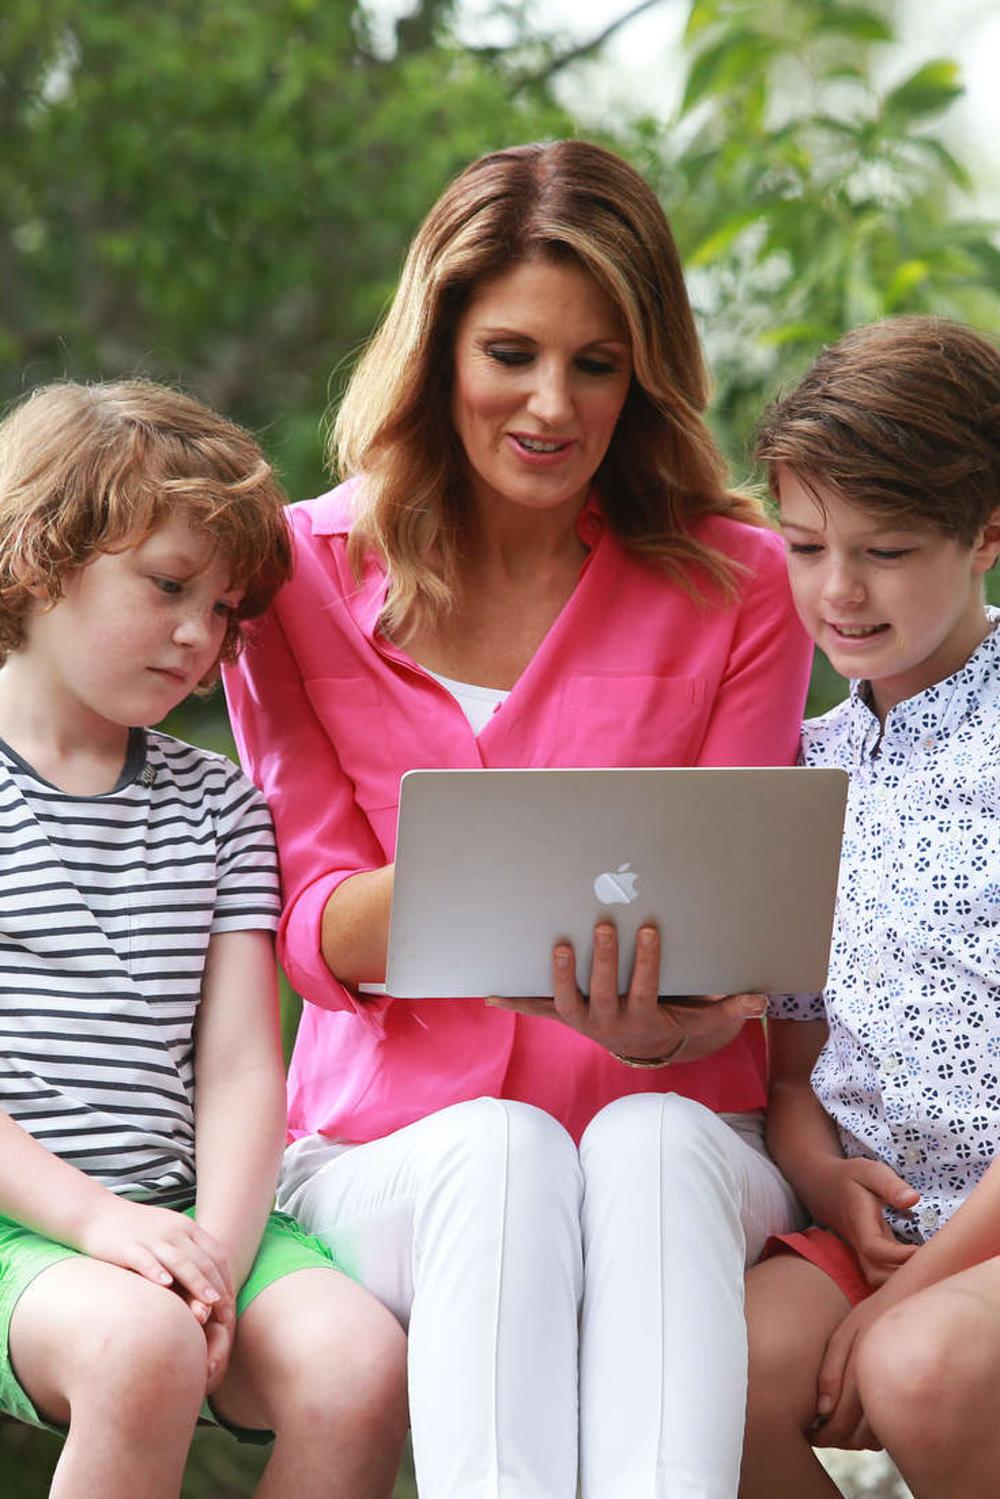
<point>328,714</point>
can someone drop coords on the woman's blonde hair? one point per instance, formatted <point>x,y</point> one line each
<point>86,469</point>
<point>662,470</point>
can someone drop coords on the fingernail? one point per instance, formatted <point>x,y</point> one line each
<point>604,936</point>
<point>646,936</point>
<point>824,1406</point>
<point>756,1007</point>
<point>209,1295</point>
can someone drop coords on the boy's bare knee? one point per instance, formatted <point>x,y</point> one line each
<point>791,1309</point>
<point>361,1390</point>
<point>921,1377</point>
<point>146,1359</point>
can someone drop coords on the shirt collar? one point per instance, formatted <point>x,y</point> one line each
<point>333,514</point>
<point>922,717</point>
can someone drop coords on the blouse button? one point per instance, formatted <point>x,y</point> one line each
<point>928,1218</point>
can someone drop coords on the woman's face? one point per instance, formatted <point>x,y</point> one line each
<point>542,370</point>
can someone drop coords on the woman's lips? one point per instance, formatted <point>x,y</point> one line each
<point>540,452</point>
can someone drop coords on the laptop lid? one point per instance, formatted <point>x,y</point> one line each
<point>738,869</point>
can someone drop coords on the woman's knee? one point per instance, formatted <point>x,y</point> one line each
<point>491,1139</point>
<point>676,1128</point>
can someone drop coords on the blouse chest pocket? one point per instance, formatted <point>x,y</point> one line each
<point>632,720</point>
<point>351,711</point>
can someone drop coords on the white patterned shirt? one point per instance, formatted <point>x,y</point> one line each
<point>911,1070</point>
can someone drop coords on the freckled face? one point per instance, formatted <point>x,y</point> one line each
<point>542,370</point>
<point>135,631</point>
<point>901,608</point>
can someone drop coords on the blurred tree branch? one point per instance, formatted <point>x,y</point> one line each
<point>562,60</point>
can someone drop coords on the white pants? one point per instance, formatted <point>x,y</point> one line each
<point>487,1234</point>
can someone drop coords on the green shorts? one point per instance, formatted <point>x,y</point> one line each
<point>284,1248</point>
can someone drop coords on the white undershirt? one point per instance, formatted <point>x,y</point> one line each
<point>477,703</point>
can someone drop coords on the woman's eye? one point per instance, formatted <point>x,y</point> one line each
<point>509,356</point>
<point>227,611</point>
<point>596,366</point>
<point>804,548</point>
<point>889,554</point>
<point>167,585</point>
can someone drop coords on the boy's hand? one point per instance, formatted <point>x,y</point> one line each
<point>165,1247</point>
<point>840,1419</point>
<point>219,1335</point>
<point>861,1189</point>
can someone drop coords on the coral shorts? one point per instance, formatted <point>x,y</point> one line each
<point>829,1253</point>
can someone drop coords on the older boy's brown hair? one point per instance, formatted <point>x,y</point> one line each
<point>901,417</point>
<point>86,469</point>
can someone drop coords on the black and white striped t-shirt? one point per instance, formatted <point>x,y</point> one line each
<point>107,904</point>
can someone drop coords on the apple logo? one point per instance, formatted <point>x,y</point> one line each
<point>616,887</point>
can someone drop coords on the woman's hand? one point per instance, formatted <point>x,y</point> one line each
<point>636,1025</point>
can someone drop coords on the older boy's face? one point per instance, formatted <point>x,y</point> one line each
<point>901,608</point>
<point>135,631</point>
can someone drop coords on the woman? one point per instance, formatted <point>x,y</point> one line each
<point>535,563</point>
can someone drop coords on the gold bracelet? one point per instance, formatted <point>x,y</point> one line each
<point>651,1062</point>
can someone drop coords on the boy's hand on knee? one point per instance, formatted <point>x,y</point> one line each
<point>219,1345</point>
<point>218,1323</point>
<point>840,1418</point>
<point>165,1247</point>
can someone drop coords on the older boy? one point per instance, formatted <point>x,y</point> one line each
<point>886,464</point>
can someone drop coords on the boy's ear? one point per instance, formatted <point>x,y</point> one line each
<point>987,547</point>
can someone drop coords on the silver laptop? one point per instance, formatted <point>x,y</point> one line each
<point>738,868</point>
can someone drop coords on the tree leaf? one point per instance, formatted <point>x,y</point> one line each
<point>734,58</point>
<point>798,333</point>
<point>855,21</point>
<point>720,240</point>
<point>954,169</point>
<point>904,279</point>
<point>930,89</point>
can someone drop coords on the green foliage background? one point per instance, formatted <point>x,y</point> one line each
<point>219,193</point>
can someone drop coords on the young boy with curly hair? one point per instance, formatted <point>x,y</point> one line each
<point>141,1088</point>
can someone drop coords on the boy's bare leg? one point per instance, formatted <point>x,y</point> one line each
<point>792,1309</point>
<point>322,1364</point>
<point>928,1374</point>
<point>123,1363</point>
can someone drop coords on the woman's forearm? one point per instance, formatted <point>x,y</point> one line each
<point>355,930</point>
